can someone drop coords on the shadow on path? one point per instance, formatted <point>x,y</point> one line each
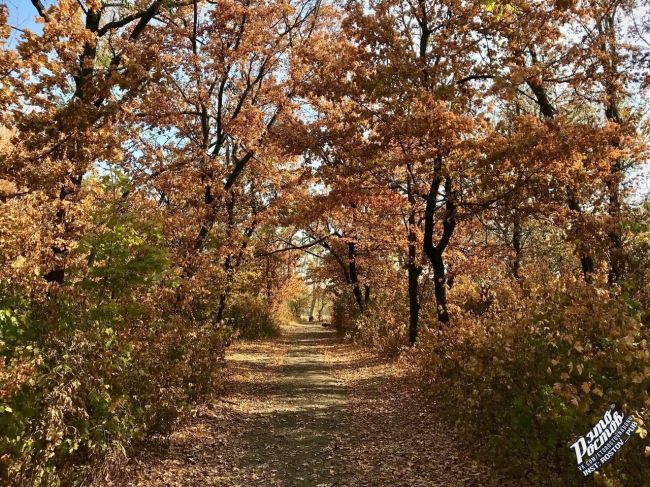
<point>310,410</point>
<point>295,439</point>
<point>279,421</point>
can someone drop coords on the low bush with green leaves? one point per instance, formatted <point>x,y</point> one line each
<point>101,361</point>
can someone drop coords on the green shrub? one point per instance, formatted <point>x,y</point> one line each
<point>99,361</point>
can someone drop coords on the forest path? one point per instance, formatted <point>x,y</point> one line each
<point>299,432</point>
<point>310,410</point>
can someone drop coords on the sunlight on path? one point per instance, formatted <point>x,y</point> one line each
<point>309,410</point>
<point>279,421</point>
<point>292,440</point>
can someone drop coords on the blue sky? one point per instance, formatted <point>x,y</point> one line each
<point>22,15</point>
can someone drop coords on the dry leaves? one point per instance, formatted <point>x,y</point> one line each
<point>311,410</point>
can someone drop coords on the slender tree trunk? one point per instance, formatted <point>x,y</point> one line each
<point>269,282</point>
<point>349,271</point>
<point>414,302</point>
<point>412,267</point>
<point>231,263</point>
<point>616,253</point>
<point>221,307</point>
<point>435,253</point>
<point>586,261</point>
<point>83,94</point>
<point>354,278</point>
<point>223,297</point>
<point>613,182</point>
<point>440,289</point>
<point>321,307</point>
<point>517,245</point>
<point>548,113</point>
<point>90,94</point>
<point>313,304</point>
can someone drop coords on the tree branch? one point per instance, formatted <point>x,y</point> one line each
<point>40,8</point>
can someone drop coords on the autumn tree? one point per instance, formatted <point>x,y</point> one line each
<point>88,61</point>
<point>203,138</point>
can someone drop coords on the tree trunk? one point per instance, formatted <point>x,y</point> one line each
<point>321,307</point>
<point>435,253</point>
<point>232,262</point>
<point>221,307</point>
<point>438,264</point>
<point>313,304</point>
<point>413,269</point>
<point>349,271</point>
<point>548,113</point>
<point>586,261</point>
<point>517,245</point>
<point>616,255</point>
<point>414,301</point>
<point>613,182</point>
<point>90,94</point>
<point>354,278</point>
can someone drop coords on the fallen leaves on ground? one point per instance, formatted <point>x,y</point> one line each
<point>310,410</point>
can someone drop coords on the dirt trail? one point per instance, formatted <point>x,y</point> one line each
<point>294,437</point>
<point>309,410</point>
